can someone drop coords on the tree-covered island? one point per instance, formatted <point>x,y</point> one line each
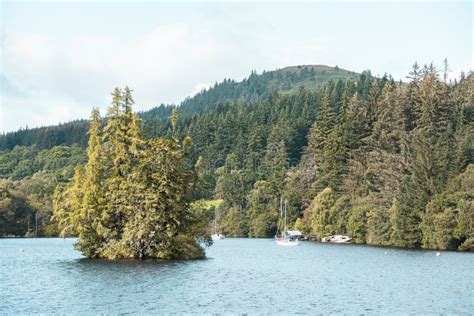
<point>132,197</point>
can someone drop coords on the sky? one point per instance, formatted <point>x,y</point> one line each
<point>59,59</point>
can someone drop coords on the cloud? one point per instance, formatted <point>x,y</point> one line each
<point>455,74</point>
<point>61,78</point>
<point>71,57</point>
<point>199,88</point>
<point>38,109</point>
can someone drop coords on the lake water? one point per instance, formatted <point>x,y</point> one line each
<point>253,276</point>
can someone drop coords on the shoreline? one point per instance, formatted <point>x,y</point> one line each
<point>306,241</point>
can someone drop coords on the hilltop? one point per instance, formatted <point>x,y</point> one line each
<point>261,86</point>
<point>256,87</point>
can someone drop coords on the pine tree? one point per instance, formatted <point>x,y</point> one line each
<point>275,163</point>
<point>319,142</point>
<point>93,201</point>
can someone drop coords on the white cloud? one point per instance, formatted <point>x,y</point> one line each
<point>60,79</point>
<point>456,72</point>
<point>38,109</point>
<point>57,61</point>
<point>199,88</point>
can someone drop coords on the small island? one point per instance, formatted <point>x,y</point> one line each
<point>132,198</point>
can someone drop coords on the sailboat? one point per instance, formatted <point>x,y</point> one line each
<point>216,235</point>
<point>285,238</point>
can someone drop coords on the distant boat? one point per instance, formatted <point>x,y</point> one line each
<point>288,237</point>
<point>216,235</point>
<point>284,241</point>
<point>337,239</point>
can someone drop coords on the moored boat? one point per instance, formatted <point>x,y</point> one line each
<point>337,239</point>
<point>216,235</point>
<point>286,241</point>
<point>287,238</point>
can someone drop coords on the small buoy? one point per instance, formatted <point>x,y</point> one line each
<point>438,253</point>
<point>22,250</point>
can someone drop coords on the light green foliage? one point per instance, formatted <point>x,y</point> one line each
<point>404,225</point>
<point>263,210</point>
<point>208,212</point>
<point>320,210</point>
<point>303,225</point>
<point>357,223</point>
<point>326,215</point>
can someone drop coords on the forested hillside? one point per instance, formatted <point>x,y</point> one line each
<point>255,87</point>
<point>385,162</point>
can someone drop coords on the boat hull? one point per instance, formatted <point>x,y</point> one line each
<point>283,242</point>
<point>337,239</point>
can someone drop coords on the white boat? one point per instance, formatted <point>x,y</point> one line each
<point>337,239</point>
<point>287,238</point>
<point>216,235</point>
<point>287,242</point>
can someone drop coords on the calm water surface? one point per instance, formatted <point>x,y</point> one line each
<point>240,276</point>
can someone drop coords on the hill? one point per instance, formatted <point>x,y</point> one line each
<point>261,86</point>
<point>255,87</point>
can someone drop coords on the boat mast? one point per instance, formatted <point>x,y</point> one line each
<point>280,220</point>
<point>215,221</point>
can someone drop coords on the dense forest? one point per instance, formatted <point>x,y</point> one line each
<point>388,163</point>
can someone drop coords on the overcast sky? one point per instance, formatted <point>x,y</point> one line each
<point>59,59</point>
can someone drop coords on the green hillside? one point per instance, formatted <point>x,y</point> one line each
<point>255,87</point>
<point>261,86</point>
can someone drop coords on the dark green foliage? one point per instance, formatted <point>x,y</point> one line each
<point>16,215</point>
<point>47,137</point>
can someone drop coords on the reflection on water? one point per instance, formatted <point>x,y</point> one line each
<point>239,276</point>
